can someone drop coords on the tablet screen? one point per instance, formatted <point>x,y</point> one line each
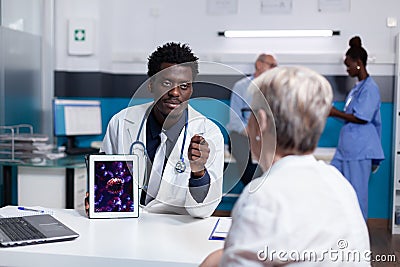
<point>113,186</point>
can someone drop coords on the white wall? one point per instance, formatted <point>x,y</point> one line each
<point>22,15</point>
<point>127,31</point>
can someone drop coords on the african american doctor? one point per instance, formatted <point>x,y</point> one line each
<point>186,178</point>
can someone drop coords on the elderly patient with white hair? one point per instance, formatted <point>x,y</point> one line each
<point>301,212</point>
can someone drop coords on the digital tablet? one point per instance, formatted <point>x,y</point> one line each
<point>113,186</point>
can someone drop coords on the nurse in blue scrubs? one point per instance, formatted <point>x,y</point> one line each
<point>359,148</point>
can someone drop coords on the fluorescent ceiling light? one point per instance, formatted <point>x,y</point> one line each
<point>278,33</point>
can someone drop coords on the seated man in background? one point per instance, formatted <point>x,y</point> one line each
<point>302,211</point>
<point>237,125</point>
<point>185,148</point>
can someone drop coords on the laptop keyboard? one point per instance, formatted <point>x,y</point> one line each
<point>18,229</point>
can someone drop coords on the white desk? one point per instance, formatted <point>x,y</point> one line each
<point>150,240</point>
<point>324,153</point>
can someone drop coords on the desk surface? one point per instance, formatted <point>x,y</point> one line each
<point>150,240</point>
<point>324,153</point>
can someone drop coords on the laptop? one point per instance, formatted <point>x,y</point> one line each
<point>35,229</point>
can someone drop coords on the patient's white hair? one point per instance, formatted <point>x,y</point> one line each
<point>299,99</point>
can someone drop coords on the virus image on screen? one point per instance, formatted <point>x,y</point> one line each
<point>113,186</point>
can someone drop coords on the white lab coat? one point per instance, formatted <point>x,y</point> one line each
<point>173,195</point>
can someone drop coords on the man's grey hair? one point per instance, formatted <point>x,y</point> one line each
<point>300,100</point>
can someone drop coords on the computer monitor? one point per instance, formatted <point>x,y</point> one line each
<point>74,118</point>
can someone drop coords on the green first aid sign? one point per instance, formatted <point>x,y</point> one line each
<point>79,35</point>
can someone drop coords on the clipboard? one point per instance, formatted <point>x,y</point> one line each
<point>221,229</point>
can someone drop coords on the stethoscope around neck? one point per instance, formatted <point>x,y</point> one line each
<point>180,166</point>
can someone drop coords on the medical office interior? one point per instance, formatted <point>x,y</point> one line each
<point>97,50</point>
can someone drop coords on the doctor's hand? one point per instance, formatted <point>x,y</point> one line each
<point>87,203</point>
<point>198,154</point>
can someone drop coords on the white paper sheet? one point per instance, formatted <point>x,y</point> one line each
<point>221,229</point>
<point>13,211</point>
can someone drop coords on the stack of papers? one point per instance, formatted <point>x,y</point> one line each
<point>24,137</point>
<point>18,143</point>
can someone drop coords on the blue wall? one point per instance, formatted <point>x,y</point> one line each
<point>380,183</point>
<point>217,110</point>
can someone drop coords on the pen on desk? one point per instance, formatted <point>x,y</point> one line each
<point>28,209</point>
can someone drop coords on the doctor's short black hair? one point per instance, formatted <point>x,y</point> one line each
<point>175,53</point>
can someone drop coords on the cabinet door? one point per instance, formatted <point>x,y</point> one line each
<point>41,186</point>
<point>80,188</point>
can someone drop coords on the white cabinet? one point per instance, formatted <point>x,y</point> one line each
<point>395,224</point>
<point>80,187</point>
<point>48,187</point>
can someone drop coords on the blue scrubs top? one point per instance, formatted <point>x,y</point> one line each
<point>362,141</point>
